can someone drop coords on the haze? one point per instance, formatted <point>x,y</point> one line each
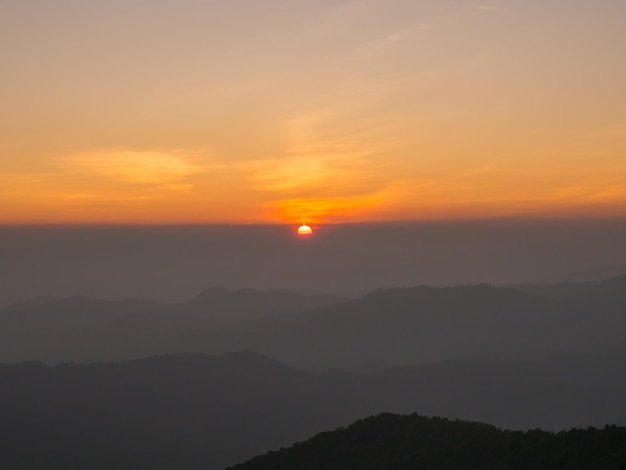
<point>176,263</point>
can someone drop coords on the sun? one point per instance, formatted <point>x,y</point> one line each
<point>305,230</point>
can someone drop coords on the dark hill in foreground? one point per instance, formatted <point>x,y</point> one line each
<point>391,442</point>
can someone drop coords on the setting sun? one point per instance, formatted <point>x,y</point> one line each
<point>304,230</point>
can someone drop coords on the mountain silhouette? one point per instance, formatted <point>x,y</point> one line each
<point>614,287</point>
<point>423,324</point>
<point>198,411</point>
<point>83,329</point>
<point>412,442</point>
<point>388,327</point>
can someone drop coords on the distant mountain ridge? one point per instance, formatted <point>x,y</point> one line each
<point>613,287</point>
<point>424,324</point>
<point>395,326</point>
<point>81,328</point>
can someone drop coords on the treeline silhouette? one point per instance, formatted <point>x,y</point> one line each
<point>391,442</point>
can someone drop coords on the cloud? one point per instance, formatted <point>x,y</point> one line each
<point>105,177</point>
<point>331,209</point>
<point>610,193</point>
<point>388,40</point>
<point>488,7</point>
<point>134,167</point>
<point>327,151</point>
<point>332,167</point>
<point>614,131</point>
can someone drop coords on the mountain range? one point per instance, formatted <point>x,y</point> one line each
<point>199,411</point>
<point>388,327</point>
<point>85,329</point>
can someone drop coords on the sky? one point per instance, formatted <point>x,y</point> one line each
<point>283,111</point>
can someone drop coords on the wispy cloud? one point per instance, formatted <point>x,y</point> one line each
<point>111,176</point>
<point>318,157</point>
<point>331,167</point>
<point>133,166</point>
<point>614,131</point>
<point>386,41</point>
<point>488,7</point>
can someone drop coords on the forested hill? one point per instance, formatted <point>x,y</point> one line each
<point>392,442</point>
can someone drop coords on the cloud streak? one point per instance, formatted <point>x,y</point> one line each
<point>133,166</point>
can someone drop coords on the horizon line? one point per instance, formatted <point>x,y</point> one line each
<point>512,218</point>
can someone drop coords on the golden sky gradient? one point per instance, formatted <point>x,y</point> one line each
<point>263,111</point>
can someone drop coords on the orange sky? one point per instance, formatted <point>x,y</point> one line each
<point>248,111</point>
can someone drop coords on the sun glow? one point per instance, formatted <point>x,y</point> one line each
<point>305,230</point>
